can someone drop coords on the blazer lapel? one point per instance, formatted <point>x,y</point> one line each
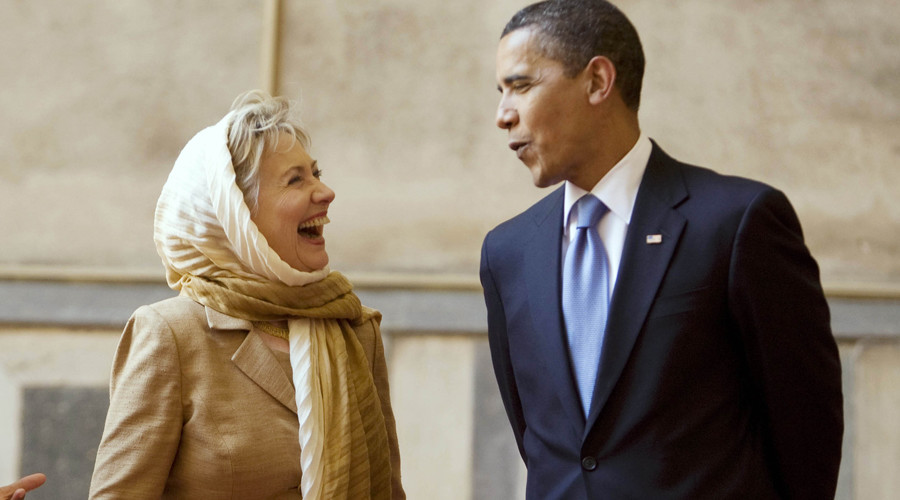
<point>641,271</point>
<point>542,277</point>
<point>254,358</point>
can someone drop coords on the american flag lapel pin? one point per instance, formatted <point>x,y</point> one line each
<point>654,239</point>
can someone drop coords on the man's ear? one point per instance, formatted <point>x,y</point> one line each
<point>602,77</point>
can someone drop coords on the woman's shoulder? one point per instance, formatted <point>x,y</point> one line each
<point>176,314</point>
<point>174,308</point>
<point>188,324</point>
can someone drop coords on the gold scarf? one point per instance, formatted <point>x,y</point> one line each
<point>355,452</point>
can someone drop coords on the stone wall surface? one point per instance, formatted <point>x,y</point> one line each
<point>399,96</point>
<point>98,99</point>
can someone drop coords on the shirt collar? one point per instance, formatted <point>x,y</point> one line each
<point>618,188</point>
<point>221,321</point>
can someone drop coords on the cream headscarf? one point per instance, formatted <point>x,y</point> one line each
<point>214,253</point>
<point>203,225</point>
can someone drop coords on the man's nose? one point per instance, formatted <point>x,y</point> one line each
<point>506,115</point>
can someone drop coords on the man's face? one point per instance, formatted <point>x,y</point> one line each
<point>544,111</point>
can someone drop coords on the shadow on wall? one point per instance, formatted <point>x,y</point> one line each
<point>61,430</point>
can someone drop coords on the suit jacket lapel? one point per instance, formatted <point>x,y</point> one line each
<point>542,277</point>
<point>254,358</point>
<point>641,271</point>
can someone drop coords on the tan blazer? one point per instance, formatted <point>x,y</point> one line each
<point>201,407</point>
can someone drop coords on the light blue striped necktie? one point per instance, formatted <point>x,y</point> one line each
<point>585,296</point>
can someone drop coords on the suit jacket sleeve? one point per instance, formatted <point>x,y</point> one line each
<point>781,312</point>
<point>499,345</point>
<point>143,425</point>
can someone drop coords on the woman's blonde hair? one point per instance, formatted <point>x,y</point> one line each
<point>256,125</point>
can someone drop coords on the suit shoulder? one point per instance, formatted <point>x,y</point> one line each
<point>703,196</point>
<point>706,185</point>
<point>174,307</point>
<point>699,177</point>
<point>704,175</point>
<point>176,314</point>
<point>536,214</point>
<point>736,197</point>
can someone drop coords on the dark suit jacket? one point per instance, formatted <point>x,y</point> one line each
<point>719,376</point>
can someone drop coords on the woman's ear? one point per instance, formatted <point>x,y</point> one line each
<point>602,77</point>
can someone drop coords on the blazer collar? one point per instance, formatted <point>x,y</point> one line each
<point>221,321</point>
<point>254,358</point>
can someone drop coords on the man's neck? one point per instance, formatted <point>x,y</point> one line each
<point>617,142</point>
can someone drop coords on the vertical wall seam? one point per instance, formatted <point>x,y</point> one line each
<point>270,46</point>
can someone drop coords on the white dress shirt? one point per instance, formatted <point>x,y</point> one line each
<point>618,191</point>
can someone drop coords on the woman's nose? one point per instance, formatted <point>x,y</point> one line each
<point>323,194</point>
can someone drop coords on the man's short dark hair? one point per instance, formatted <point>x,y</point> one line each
<point>574,31</point>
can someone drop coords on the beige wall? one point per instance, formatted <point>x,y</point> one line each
<point>98,99</point>
<point>399,95</point>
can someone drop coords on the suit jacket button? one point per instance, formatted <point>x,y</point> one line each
<point>589,463</point>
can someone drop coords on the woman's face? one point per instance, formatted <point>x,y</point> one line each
<point>293,205</point>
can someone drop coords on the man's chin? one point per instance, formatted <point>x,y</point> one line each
<point>540,180</point>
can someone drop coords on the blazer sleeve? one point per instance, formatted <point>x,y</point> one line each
<point>380,376</point>
<point>498,341</point>
<point>781,312</point>
<point>143,425</point>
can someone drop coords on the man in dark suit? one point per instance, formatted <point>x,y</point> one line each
<point>699,363</point>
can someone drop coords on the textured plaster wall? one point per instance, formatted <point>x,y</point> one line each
<point>99,97</point>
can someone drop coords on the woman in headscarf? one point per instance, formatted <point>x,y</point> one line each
<point>265,377</point>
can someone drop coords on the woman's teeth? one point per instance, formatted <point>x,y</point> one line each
<point>313,227</point>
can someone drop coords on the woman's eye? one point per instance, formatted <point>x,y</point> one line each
<point>317,173</point>
<point>295,179</point>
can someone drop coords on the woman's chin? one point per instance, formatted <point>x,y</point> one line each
<point>310,262</point>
